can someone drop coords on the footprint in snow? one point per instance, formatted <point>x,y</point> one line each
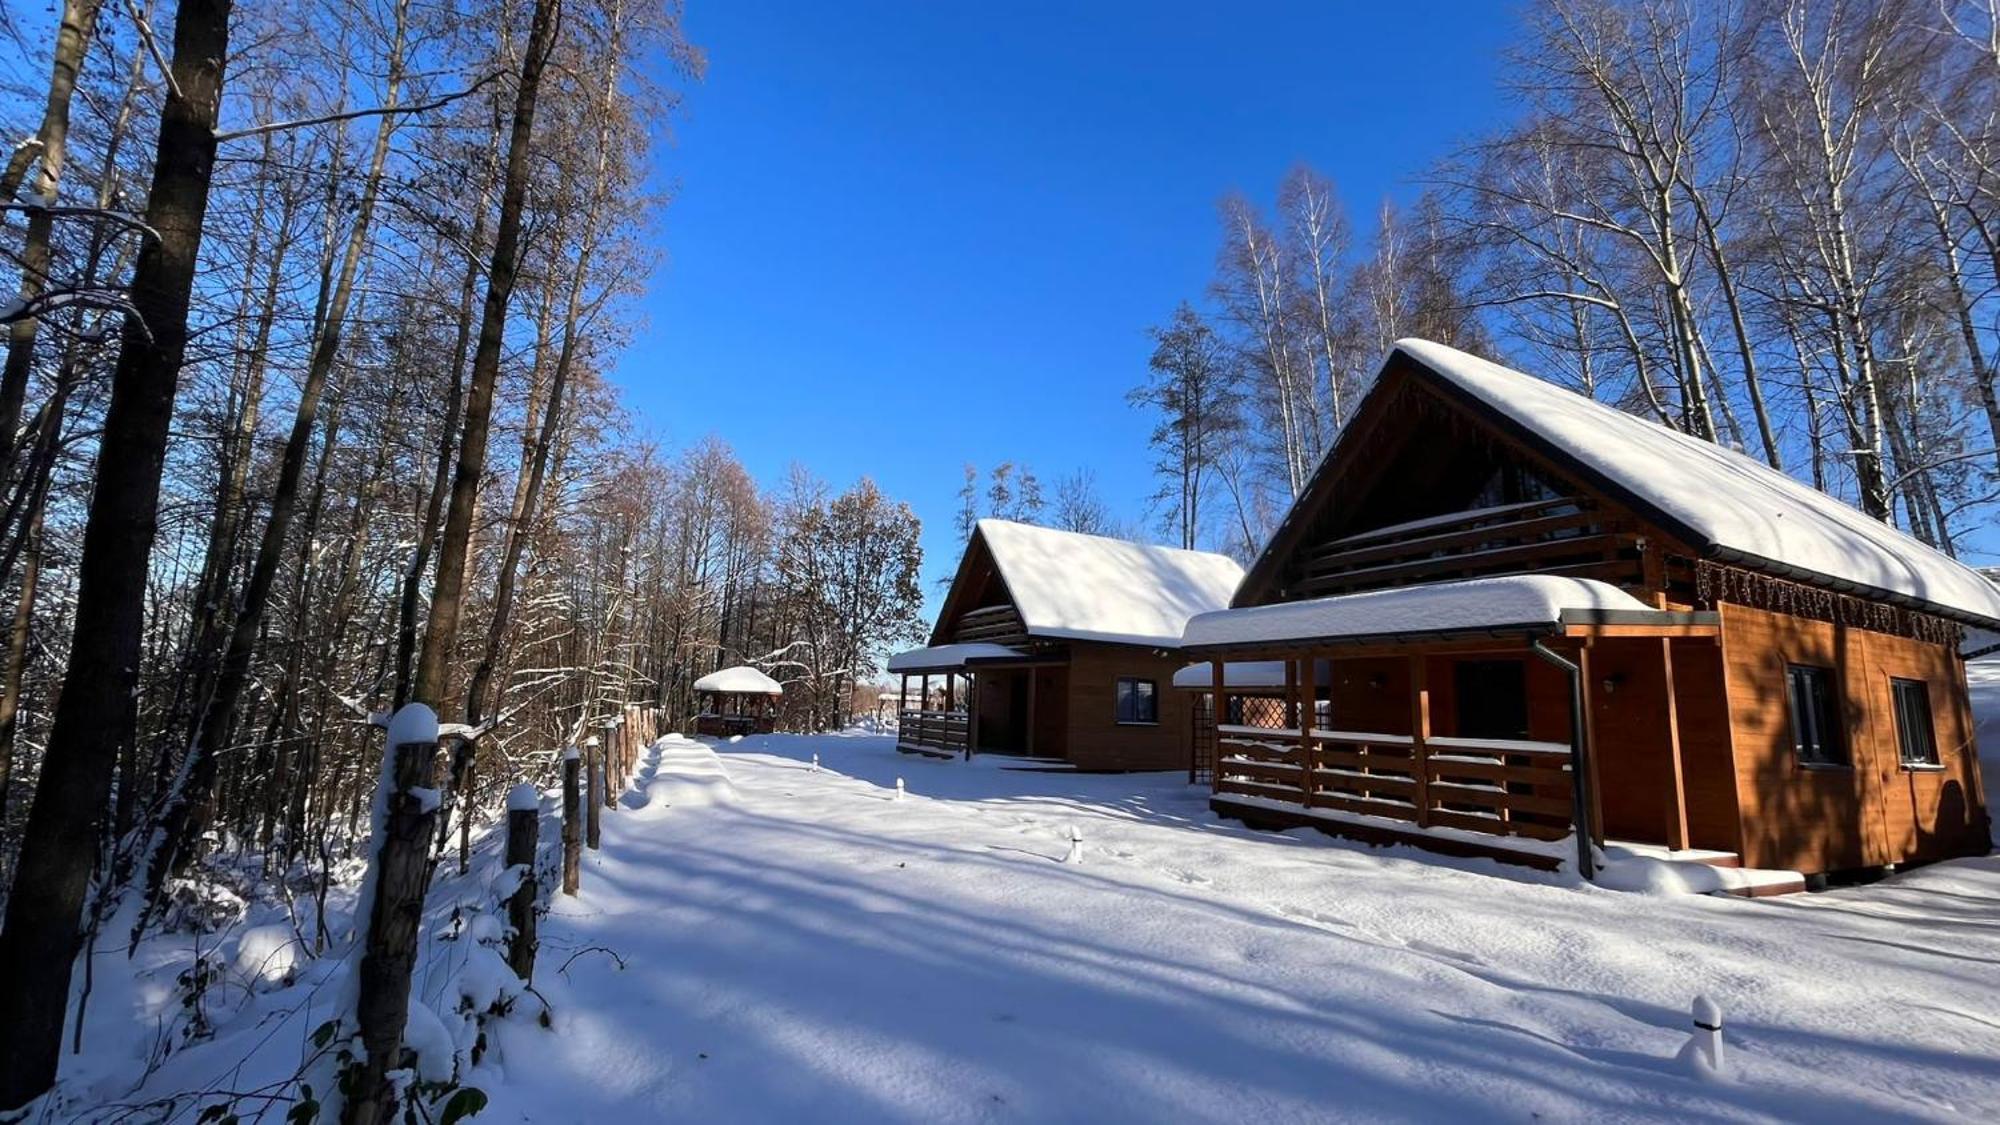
<point>1191,878</point>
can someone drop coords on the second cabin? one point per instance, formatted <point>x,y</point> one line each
<point>1053,644</point>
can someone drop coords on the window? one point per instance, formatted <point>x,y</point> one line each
<point>1916,742</point>
<point>1138,700</point>
<point>1492,698</point>
<point>1815,720</point>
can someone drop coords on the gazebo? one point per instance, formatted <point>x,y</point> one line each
<point>738,700</point>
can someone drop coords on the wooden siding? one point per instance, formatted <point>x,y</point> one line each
<point>1561,536</point>
<point>1095,738</point>
<point>1874,811</point>
<point>1634,746</point>
<point>993,624</point>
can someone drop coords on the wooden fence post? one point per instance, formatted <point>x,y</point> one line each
<point>395,910</point>
<point>593,807</point>
<point>613,785</point>
<point>466,781</point>
<point>524,829</point>
<point>572,829</point>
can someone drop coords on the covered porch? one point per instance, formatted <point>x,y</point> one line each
<point>958,700</point>
<point>1491,717</point>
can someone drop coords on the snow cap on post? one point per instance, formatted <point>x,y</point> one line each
<point>414,723</point>
<point>1707,1015</point>
<point>590,742</point>
<point>524,798</point>
<point>571,754</point>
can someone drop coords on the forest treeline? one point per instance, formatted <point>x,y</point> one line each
<point>1773,224</point>
<point>305,415</point>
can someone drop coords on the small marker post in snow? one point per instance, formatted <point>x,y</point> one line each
<point>1703,1052</point>
<point>899,790</point>
<point>1075,854</point>
<point>814,768</point>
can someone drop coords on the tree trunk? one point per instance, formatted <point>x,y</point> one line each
<point>91,718</point>
<point>79,23</point>
<point>454,547</point>
<point>17,658</point>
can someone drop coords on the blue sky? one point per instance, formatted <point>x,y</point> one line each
<point>908,236</point>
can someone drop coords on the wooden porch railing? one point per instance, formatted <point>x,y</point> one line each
<point>933,730</point>
<point>1500,786</point>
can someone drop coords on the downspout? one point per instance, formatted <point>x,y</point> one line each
<point>1586,864</point>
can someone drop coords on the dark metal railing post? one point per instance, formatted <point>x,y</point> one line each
<point>1586,860</point>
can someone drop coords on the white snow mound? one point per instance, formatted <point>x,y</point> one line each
<point>267,954</point>
<point>685,774</point>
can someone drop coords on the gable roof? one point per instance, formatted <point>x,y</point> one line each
<point>1726,506</point>
<point>1067,585</point>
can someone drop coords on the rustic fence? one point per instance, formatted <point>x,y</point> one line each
<point>408,844</point>
<point>1504,787</point>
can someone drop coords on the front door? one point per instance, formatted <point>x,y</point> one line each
<point>1050,721</point>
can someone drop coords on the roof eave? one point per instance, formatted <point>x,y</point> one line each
<point>1525,632</point>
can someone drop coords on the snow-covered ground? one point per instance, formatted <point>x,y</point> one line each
<point>801,945</point>
<point>760,940</point>
<point>1982,678</point>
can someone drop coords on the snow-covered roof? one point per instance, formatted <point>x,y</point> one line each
<point>1522,601</point>
<point>1088,587</point>
<point>939,658</point>
<point>1733,506</point>
<point>739,680</point>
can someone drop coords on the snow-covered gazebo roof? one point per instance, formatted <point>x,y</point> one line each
<point>1088,587</point>
<point>739,680</point>
<point>1522,602</point>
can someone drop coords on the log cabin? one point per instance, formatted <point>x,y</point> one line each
<point>1504,619</point>
<point>1058,645</point>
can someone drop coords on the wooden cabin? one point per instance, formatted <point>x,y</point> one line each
<point>736,700</point>
<point>1052,644</point>
<point>1500,611</point>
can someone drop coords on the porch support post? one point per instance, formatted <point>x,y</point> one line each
<point>1223,705</point>
<point>1583,663</point>
<point>1420,734</point>
<point>1677,813</point>
<point>971,715</point>
<point>1219,708</point>
<point>1291,718</point>
<point>1028,743</point>
<point>1302,694</point>
<point>1581,791</point>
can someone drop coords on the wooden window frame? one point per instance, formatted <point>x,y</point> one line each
<point>1898,686</point>
<point>1831,742</point>
<point>1117,698</point>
